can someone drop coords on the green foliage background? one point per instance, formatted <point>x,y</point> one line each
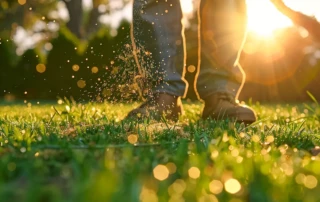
<point>111,55</point>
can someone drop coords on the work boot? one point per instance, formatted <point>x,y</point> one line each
<point>160,105</point>
<point>221,106</point>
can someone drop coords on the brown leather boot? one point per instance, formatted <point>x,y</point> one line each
<point>158,106</point>
<point>220,106</point>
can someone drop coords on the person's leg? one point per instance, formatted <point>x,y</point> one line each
<point>220,77</point>
<point>223,29</point>
<point>158,38</point>
<point>158,42</point>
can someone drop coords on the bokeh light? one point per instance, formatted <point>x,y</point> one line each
<point>310,182</point>
<point>75,67</point>
<point>176,198</point>
<point>214,154</point>
<point>48,46</point>
<point>270,138</point>
<point>177,188</point>
<point>255,138</point>
<point>232,186</point>
<point>208,198</point>
<point>22,2</point>
<point>194,172</point>
<point>81,83</point>
<point>191,68</point>
<point>216,186</point>
<point>148,195</point>
<point>161,172</point>
<point>300,178</point>
<point>133,139</point>
<point>94,70</point>
<point>41,68</point>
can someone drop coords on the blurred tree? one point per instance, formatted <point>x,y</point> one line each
<point>24,13</point>
<point>27,78</point>
<point>309,23</point>
<point>93,23</point>
<point>75,16</point>
<point>101,7</point>
<point>60,65</point>
<point>27,13</point>
<point>5,67</point>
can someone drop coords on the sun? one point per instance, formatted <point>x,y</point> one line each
<point>187,6</point>
<point>264,18</point>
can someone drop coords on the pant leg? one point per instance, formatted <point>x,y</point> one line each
<point>157,35</point>
<point>222,33</point>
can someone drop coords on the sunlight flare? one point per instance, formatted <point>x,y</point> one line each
<point>187,6</point>
<point>264,18</point>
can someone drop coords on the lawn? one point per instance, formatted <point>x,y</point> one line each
<point>84,152</point>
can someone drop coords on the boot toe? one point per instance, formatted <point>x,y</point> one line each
<point>239,113</point>
<point>161,106</point>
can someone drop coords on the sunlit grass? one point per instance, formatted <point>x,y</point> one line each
<point>84,152</point>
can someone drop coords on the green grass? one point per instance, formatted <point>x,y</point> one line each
<point>73,152</point>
